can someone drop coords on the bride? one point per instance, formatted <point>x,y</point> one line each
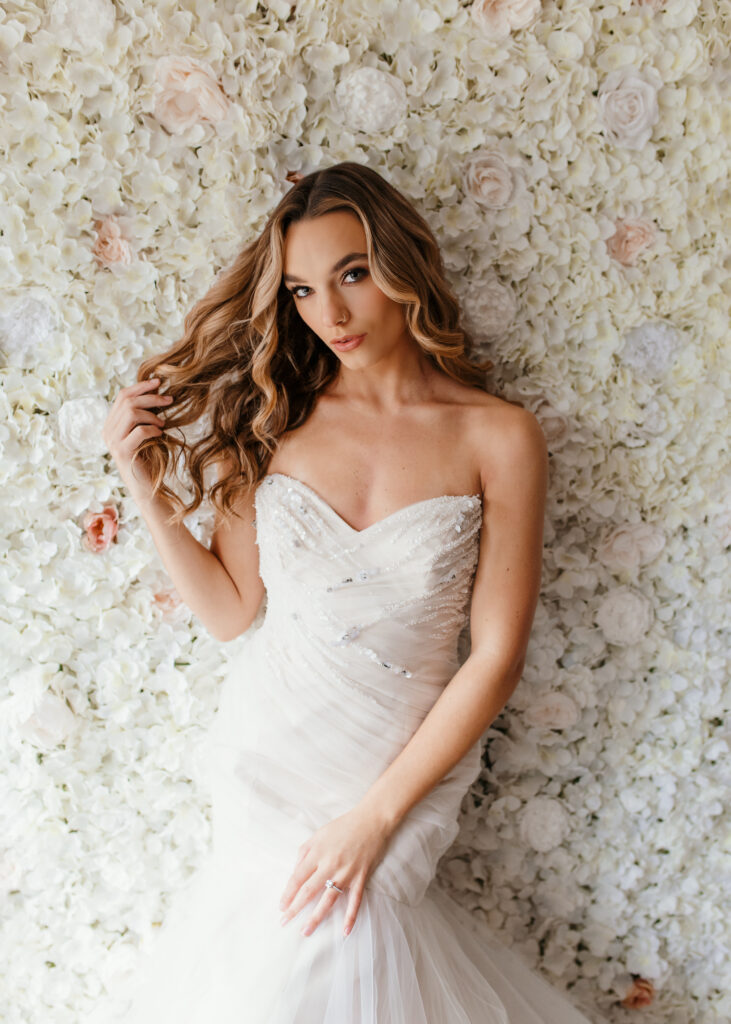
<point>387,512</point>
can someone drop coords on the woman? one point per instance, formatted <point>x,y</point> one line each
<point>390,511</point>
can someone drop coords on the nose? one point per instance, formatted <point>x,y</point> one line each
<point>333,310</point>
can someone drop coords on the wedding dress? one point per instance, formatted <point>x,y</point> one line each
<point>363,629</point>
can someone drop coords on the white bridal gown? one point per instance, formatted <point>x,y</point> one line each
<point>361,634</point>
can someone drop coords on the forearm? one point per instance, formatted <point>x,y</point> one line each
<point>197,574</point>
<point>472,699</point>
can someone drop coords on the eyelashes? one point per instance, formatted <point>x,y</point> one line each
<point>298,288</point>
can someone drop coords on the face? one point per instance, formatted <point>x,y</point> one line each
<point>326,270</point>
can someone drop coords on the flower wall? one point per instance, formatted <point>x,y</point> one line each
<point>572,160</point>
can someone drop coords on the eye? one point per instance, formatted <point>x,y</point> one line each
<point>298,288</point>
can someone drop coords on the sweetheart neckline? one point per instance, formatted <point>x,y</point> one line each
<point>378,522</point>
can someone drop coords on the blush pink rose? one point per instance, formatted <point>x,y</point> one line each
<point>641,993</point>
<point>100,529</point>
<point>110,247</point>
<point>498,18</point>
<point>166,600</point>
<point>632,236</point>
<point>188,93</point>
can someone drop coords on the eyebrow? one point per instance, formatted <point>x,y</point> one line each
<point>338,265</point>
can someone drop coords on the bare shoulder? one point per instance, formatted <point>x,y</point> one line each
<point>506,440</point>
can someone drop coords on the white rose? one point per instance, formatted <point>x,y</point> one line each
<point>80,423</point>
<point>552,711</point>
<point>630,545</point>
<point>489,180</point>
<point>554,423</point>
<point>650,348</point>
<point>624,616</point>
<point>544,823</point>
<point>51,723</point>
<point>498,18</point>
<point>628,105</point>
<point>371,100</point>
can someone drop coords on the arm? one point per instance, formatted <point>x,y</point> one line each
<point>220,585</point>
<point>505,594</point>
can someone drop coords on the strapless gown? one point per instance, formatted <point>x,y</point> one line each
<point>363,629</point>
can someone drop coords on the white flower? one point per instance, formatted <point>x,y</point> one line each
<point>624,616</point>
<point>489,307</point>
<point>554,423</point>
<point>650,348</point>
<point>81,25</point>
<point>51,723</point>
<point>631,545</point>
<point>371,100</point>
<point>552,711</point>
<point>628,104</point>
<point>489,180</point>
<point>26,328</point>
<point>544,823</point>
<point>80,423</point>
<point>498,18</point>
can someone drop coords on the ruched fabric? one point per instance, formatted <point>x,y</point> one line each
<point>363,630</point>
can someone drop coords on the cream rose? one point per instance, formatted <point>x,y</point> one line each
<point>188,93</point>
<point>624,616</point>
<point>80,422</point>
<point>498,18</point>
<point>488,180</point>
<point>631,545</point>
<point>628,105</point>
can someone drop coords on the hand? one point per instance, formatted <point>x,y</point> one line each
<point>347,850</point>
<point>131,421</point>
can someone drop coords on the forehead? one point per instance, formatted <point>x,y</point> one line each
<point>319,241</point>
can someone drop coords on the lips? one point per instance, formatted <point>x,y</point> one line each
<point>348,337</point>
<point>352,341</point>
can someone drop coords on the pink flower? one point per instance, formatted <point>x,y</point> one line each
<point>110,247</point>
<point>166,600</point>
<point>631,237</point>
<point>498,18</point>
<point>188,93</point>
<point>641,993</point>
<point>101,529</point>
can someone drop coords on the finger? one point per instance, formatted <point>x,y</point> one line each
<point>148,400</point>
<point>328,899</point>
<point>307,892</point>
<point>137,419</point>
<point>303,870</point>
<point>356,895</point>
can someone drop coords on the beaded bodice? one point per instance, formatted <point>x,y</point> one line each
<point>388,601</point>
<point>363,630</point>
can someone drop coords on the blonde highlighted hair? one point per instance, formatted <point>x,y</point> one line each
<point>253,369</point>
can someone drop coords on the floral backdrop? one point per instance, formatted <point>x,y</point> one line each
<point>572,160</point>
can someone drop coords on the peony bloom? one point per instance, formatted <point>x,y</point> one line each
<point>188,93</point>
<point>624,616</point>
<point>632,236</point>
<point>641,993</point>
<point>80,424</point>
<point>110,247</point>
<point>372,100</point>
<point>544,823</point>
<point>498,18</point>
<point>100,529</point>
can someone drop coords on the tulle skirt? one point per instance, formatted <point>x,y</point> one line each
<point>223,957</point>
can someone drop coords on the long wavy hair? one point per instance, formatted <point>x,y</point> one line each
<point>250,368</point>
